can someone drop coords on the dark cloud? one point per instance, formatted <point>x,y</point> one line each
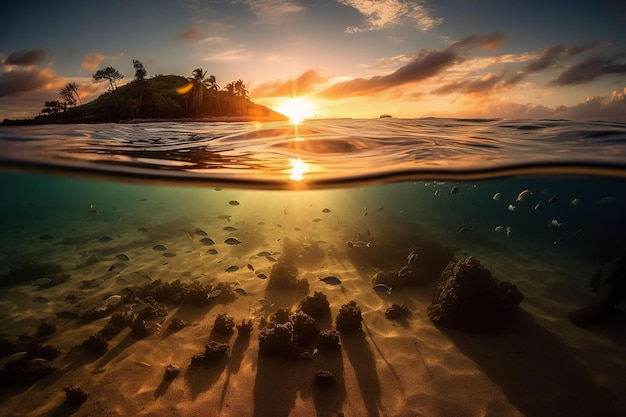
<point>427,64</point>
<point>24,58</point>
<point>14,83</point>
<point>290,88</point>
<point>484,85</point>
<point>547,58</point>
<point>190,34</point>
<point>591,68</point>
<point>493,41</point>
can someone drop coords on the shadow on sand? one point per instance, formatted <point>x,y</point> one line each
<point>364,364</point>
<point>535,370</point>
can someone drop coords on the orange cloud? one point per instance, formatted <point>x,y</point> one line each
<point>292,87</point>
<point>92,61</point>
<point>28,80</point>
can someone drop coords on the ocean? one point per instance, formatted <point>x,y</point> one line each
<point>111,220</point>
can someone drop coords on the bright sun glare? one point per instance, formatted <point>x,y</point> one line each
<point>296,109</point>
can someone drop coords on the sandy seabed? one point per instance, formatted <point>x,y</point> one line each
<point>538,365</point>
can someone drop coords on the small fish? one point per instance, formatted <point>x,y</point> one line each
<point>552,200</point>
<point>96,283</point>
<point>229,228</point>
<point>46,237</point>
<point>331,280</point>
<point>262,275</point>
<point>538,207</point>
<point>404,271</point>
<point>499,229</point>
<point>159,247</point>
<point>224,217</point>
<point>379,209</point>
<point>382,288</point>
<point>105,239</point>
<point>455,190</point>
<point>241,291</point>
<point>142,364</point>
<point>578,232</point>
<point>233,202</point>
<point>508,231</point>
<point>190,236</point>
<point>556,223</point>
<point>264,253</point>
<point>326,210</point>
<point>465,229</point>
<point>231,240</point>
<point>93,213</point>
<point>497,196</point>
<point>42,281</point>
<point>316,220</point>
<point>270,258</point>
<point>114,299</point>
<point>207,241</point>
<point>169,255</point>
<point>575,202</point>
<point>250,267</point>
<point>117,265</point>
<point>214,293</point>
<point>122,257</point>
<point>16,356</point>
<point>232,268</point>
<point>411,258</point>
<point>437,192</point>
<point>524,194</point>
<point>361,244</point>
<point>200,232</point>
<point>98,370</point>
<point>142,230</point>
<point>349,244</point>
<point>212,251</point>
<point>265,302</point>
<point>511,207</point>
<point>138,308</point>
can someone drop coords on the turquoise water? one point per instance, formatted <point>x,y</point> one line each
<point>540,203</point>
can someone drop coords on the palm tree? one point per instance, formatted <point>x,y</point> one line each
<point>198,77</point>
<point>214,89</point>
<point>242,93</point>
<point>230,94</point>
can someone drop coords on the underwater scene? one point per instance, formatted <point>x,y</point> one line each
<point>417,267</point>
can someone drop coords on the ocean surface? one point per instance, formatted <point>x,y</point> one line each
<point>540,203</point>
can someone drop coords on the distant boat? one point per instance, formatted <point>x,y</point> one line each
<point>385,116</point>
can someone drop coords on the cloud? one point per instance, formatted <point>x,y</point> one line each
<point>190,34</point>
<point>28,80</point>
<point>426,64</point>
<point>381,14</point>
<point>292,87</point>
<point>230,55</point>
<point>30,57</point>
<point>273,11</point>
<point>92,61</point>
<point>591,68</point>
<point>611,108</point>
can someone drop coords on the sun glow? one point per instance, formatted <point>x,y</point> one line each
<point>297,109</point>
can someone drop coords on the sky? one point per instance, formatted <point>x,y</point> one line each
<point>347,58</point>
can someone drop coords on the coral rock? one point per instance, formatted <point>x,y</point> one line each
<point>316,306</point>
<point>469,298</point>
<point>75,395</point>
<point>323,378</point>
<point>349,318</point>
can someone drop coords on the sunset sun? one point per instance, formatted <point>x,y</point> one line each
<point>297,109</point>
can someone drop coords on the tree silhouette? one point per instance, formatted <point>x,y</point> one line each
<point>242,93</point>
<point>140,71</point>
<point>109,73</point>
<point>230,95</point>
<point>211,84</point>
<point>198,78</point>
<point>140,75</point>
<point>70,95</point>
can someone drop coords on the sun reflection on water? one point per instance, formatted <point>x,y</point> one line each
<point>298,169</point>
